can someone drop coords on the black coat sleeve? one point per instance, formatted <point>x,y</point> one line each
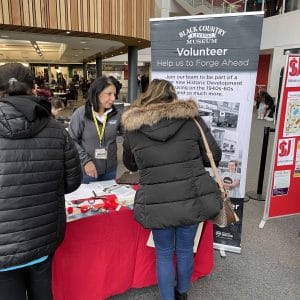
<point>128,157</point>
<point>214,147</point>
<point>72,170</point>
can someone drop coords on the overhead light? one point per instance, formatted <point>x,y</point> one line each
<point>83,42</point>
<point>4,36</point>
<point>85,48</point>
<point>68,32</point>
<point>139,41</point>
<point>121,52</point>
<point>36,48</point>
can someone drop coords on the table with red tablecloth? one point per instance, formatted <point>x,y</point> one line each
<point>106,254</point>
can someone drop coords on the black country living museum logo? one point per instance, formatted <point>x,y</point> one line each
<point>200,35</point>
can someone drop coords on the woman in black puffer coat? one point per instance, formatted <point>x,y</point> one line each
<point>176,192</point>
<point>38,165</point>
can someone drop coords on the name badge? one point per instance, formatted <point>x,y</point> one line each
<point>101,153</point>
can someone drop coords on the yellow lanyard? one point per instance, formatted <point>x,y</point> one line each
<point>100,134</point>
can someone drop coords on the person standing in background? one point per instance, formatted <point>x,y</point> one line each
<point>39,164</point>
<point>162,142</point>
<point>75,77</point>
<point>39,79</point>
<point>270,105</point>
<point>144,83</point>
<point>84,88</point>
<point>139,85</point>
<point>61,82</point>
<point>94,128</point>
<point>271,7</point>
<point>258,4</point>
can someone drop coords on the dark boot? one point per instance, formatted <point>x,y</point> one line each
<point>180,296</point>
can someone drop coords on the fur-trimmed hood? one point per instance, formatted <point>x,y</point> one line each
<point>139,116</point>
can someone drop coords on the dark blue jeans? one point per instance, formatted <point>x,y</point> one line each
<point>35,280</point>
<point>167,241</point>
<point>107,176</point>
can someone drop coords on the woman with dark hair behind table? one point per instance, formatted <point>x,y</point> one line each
<point>39,164</point>
<point>162,142</point>
<point>94,128</point>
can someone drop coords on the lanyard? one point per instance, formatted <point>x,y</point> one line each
<point>100,133</point>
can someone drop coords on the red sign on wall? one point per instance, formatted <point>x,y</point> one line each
<point>284,182</point>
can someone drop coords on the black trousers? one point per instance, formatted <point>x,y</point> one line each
<point>33,281</point>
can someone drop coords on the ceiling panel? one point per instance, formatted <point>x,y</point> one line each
<point>19,46</point>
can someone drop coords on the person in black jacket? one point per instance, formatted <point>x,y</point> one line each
<point>94,128</point>
<point>38,165</point>
<point>270,105</point>
<point>162,142</point>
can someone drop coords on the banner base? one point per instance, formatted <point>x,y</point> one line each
<point>266,218</point>
<point>222,248</point>
<point>262,224</point>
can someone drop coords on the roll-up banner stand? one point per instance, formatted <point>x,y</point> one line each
<point>213,59</point>
<point>284,179</point>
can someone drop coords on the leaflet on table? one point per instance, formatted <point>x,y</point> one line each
<point>101,188</point>
<point>125,193</point>
<point>97,197</point>
<point>83,192</point>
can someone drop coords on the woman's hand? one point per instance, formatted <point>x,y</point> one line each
<point>90,169</point>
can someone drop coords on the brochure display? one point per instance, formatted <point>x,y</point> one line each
<point>284,181</point>
<point>213,60</point>
<point>98,197</point>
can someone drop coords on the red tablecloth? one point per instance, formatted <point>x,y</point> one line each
<point>106,254</point>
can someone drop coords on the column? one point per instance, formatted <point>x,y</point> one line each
<point>84,70</point>
<point>165,9</point>
<point>49,73</point>
<point>98,66</point>
<point>132,73</point>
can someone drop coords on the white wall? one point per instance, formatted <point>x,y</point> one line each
<point>162,8</point>
<point>279,32</point>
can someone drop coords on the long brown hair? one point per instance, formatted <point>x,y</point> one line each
<point>159,91</point>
